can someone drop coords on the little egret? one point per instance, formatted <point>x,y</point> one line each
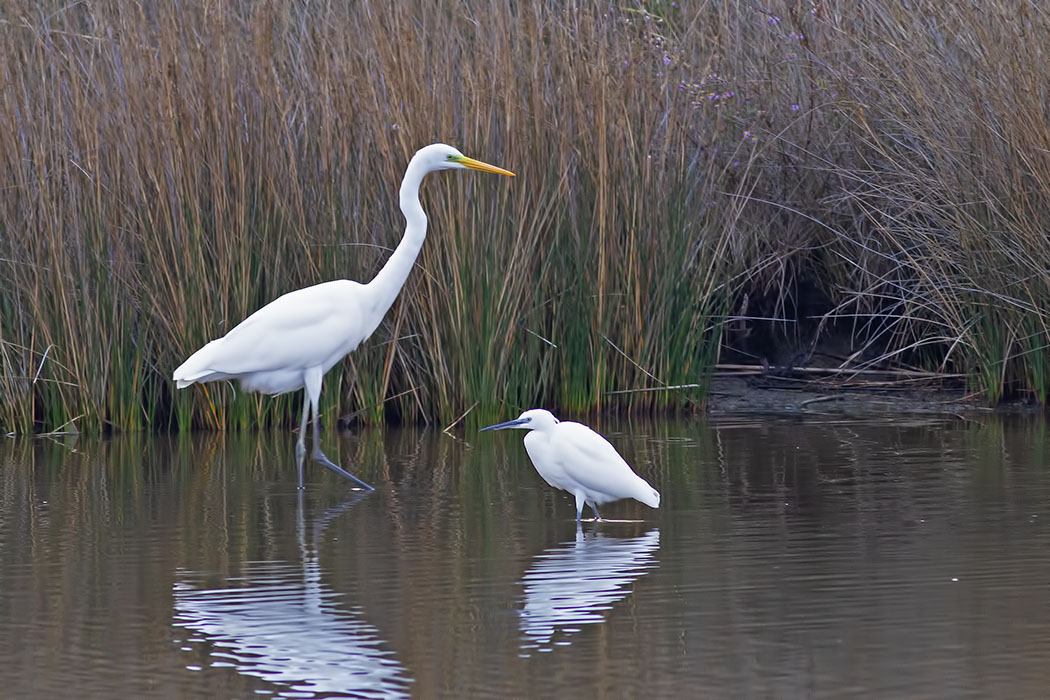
<point>572,457</point>
<point>291,342</point>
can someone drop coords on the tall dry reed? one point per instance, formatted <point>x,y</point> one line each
<point>170,167</point>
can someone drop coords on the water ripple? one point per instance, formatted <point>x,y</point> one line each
<point>286,627</point>
<point>575,583</point>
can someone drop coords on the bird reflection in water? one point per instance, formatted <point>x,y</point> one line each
<point>573,584</point>
<point>280,622</point>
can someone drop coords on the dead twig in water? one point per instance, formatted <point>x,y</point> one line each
<point>350,416</point>
<point>453,423</point>
<point>58,431</point>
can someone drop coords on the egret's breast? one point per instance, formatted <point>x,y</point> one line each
<point>545,458</point>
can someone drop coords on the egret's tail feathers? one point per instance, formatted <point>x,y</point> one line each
<point>196,367</point>
<point>648,495</point>
<point>186,380</point>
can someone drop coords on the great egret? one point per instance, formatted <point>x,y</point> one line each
<point>291,342</point>
<point>572,457</point>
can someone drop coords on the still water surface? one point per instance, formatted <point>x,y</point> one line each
<point>842,558</point>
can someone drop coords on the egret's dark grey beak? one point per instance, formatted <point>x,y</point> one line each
<point>509,424</point>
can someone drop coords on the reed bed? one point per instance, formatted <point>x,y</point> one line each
<point>170,167</point>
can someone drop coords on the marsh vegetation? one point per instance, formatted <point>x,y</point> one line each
<point>876,176</point>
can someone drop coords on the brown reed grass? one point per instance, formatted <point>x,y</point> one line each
<point>170,167</point>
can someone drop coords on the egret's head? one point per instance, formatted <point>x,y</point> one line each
<point>534,419</point>
<point>439,156</point>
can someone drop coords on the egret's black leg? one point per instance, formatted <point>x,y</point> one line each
<point>313,388</point>
<point>300,445</point>
<point>322,459</point>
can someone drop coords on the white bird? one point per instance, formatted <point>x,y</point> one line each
<point>572,457</point>
<point>291,342</point>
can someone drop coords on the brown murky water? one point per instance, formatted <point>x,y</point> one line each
<point>789,559</point>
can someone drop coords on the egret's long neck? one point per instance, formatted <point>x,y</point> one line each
<point>385,286</point>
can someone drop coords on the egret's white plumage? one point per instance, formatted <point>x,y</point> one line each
<point>291,342</point>
<point>572,457</point>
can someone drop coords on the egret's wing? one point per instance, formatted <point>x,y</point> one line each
<point>592,461</point>
<point>298,330</point>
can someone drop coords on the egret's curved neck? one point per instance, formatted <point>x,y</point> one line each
<point>385,286</point>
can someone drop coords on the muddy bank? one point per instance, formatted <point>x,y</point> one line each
<point>797,395</point>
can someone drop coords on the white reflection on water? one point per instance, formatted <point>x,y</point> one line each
<point>281,623</point>
<point>574,583</point>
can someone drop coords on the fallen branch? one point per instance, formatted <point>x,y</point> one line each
<point>818,399</point>
<point>841,371</point>
<point>655,388</point>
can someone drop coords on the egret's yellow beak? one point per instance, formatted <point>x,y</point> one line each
<point>478,165</point>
